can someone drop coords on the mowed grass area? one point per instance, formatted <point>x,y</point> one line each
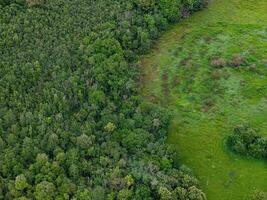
<point>207,101</point>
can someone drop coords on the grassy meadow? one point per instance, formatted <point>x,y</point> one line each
<point>210,71</point>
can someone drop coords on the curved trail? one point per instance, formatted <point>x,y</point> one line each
<point>208,102</point>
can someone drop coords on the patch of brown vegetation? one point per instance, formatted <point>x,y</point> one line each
<point>237,60</point>
<point>218,62</point>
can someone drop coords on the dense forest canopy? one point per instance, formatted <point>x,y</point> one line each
<point>72,123</point>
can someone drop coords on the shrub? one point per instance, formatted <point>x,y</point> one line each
<point>258,195</point>
<point>245,140</point>
<point>237,60</point>
<point>218,62</point>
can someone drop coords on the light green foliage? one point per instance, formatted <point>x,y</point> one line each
<point>84,141</point>
<point>210,71</point>
<point>258,195</point>
<point>84,195</point>
<point>21,182</point>
<point>129,180</point>
<point>110,127</point>
<point>41,159</point>
<point>124,194</point>
<point>195,194</point>
<point>45,191</point>
<point>165,194</point>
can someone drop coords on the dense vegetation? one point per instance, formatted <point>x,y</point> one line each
<point>246,141</point>
<point>72,124</point>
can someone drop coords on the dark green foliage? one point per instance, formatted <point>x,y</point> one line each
<point>71,121</point>
<point>245,140</point>
<point>6,2</point>
<point>194,5</point>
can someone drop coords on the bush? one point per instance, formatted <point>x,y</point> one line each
<point>218,62</point>
<point>237,60</point>
<point>246,141</point>
<point>258,195</point>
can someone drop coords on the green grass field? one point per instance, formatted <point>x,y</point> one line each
<point>207,101</point>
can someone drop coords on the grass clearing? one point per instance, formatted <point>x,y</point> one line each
<point>208,99</point>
